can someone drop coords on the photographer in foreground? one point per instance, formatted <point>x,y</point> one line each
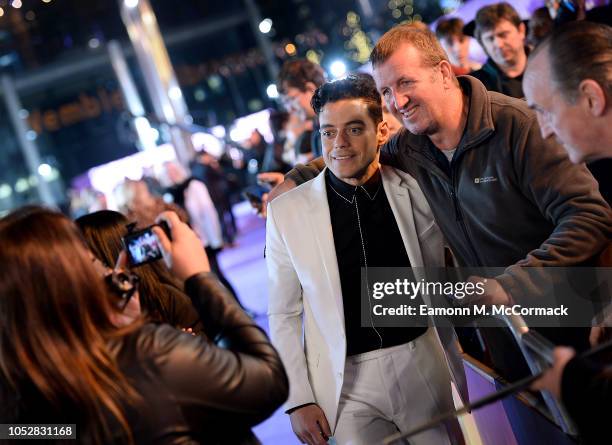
<point>63,360</point>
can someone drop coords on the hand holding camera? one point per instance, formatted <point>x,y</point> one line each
<point>142,246</point>
<point>182,251</point>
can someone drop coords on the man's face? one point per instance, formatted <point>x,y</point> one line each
<point>457,48</point>
<point>298,101</point>
<point>504,43</point>
<point>414,93</point>
<point>556,116</point>
<point>350,140</point>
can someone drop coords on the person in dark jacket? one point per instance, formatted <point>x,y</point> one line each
<point>69,361</point>
<point>501,33</point>
<point>568,83</point>
<point>208,169</point>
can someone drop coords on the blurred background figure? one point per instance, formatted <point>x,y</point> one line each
<point>191,195</point>
<point>540,26</point>
<point>141,206</point>
<point>297,82</point>
<point>393,123</point>
<point>274,159</point>
<point>208,169</point>
<point>501,32</point>
<point>456,44</point>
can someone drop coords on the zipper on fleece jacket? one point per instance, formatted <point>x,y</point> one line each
<point>433,167</point>
<point>459,215</point>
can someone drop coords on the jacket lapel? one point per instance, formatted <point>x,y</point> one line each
<point>397,190</point>
<point>320,221</point>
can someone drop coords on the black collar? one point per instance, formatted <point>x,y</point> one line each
<point>348,191</point>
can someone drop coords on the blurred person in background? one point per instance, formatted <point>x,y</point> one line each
<point>501,32</point>
<point>565,11</point>
<point>456,44</point>
<point>86,200</point>
<point>192,195</point>
<point>208,169</point>
<point>65,360</point>
<point>568,83</point>
<point>273,159</point>
<point>297,81</point>
<point>142,206</point>
<point>393,123</point>
<point>540,26</point>
<point>254,148</point>
<point>161,296</point>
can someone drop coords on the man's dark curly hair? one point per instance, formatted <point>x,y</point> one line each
<point>296,73</point>
<point>354,86</point>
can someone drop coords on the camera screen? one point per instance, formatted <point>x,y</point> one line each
<point>143,247</point>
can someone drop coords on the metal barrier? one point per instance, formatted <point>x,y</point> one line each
<point>537,363</point>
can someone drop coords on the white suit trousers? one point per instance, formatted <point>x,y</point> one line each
<point>396,389</point>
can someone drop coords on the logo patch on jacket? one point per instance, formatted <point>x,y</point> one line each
<point>485,179</point>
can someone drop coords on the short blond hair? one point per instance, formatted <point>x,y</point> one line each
<point>420,37</point>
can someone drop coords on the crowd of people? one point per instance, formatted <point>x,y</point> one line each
<point>433,160</point>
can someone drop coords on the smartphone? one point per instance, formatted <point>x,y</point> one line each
<point>143,246</point>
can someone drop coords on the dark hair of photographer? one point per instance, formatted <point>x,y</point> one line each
<point>63,360</point>
<point>160,294</point>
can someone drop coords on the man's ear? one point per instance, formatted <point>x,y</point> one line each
<point>593,96</point>
<point>522,30</point>
<point>447,73</point>
<point>383,133</point>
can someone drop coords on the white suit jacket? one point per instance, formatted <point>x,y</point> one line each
<point>306,311</point>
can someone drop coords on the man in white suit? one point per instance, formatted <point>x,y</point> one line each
<point>359,384</point>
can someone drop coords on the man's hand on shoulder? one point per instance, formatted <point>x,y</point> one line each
<point>283,187</point>
<point>310,425</point>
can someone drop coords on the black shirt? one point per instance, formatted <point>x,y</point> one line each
<point>383,246</point>
<point>496,80</point>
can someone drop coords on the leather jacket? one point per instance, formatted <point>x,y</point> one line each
<point>194,391</point>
